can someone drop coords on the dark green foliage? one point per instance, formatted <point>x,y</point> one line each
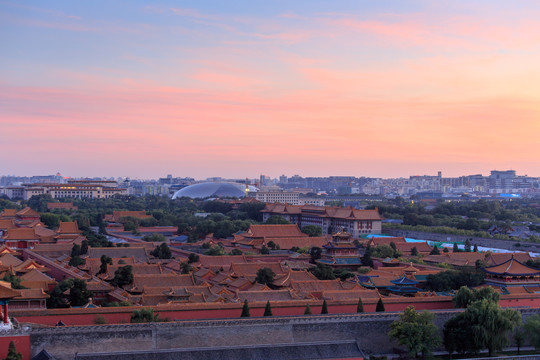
<point>265,276</point>
<point>236,252</point>
<point>193,258</point>
<point>265,250</point>
<point>76,260</point>
<point>466,296</point>
<point>312,230</point>
<point>186,267</point>
<point>456,248</point>
<point>483,325</point>
<point>380,306</point>
<point>366,259</point>
<point>323,272</point>
<point>144,316</point>
<point>445,250</point>
<point>475,249</point>
<point>342,274</point>
<point>308,310</point>
<point>272,245</point>
<point>324,309</point>
<point>162,252</point>
<point>360,306</point>
<point>84,247</point>
<point>216,250</point>
<point>105,260</point>
<point>12,352</point>
<point>315,254</point>
<point>416,331</point>
<point>245,309</point>
<point>519,339</point>
<point>155,237</point>
<point>414,251</point>
<point>467,246</point>
<point>14,280</point>
<point>435,251</point>
<point>533,263</point>
<point>276,219</point>
<point>123,276</point>
<point>267,309</point>
<point>532,328</point>
<point>78,294</point>
<point>52,221</point>
<point>453,279</point>
<point>252,210</point>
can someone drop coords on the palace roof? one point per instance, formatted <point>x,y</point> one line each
<point>68,227</point>
<point>6,292</point>
<point>273,295</point>
<point>512,267</point>
<point>21,234</point>
<point>7,224</point>
<point>28,212</point>
<point>323,211</point>
<point>9,213</point>
<point>274,231</point>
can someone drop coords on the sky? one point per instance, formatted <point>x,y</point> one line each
<point>242,88</point>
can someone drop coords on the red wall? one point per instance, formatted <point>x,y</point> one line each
<point>22,344</point>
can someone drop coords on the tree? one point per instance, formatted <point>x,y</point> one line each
<point>104,261</point>
<point>360,306</point>
<point>155,237</point>
<point>414,251</point>
<point>144,316</point>
<point>308,310</point>
<point>267,309</point>
<point>52,221</point>
<point>456,248</point>
<point>366,259</point>
<point>84,247</point>
<point>14,280</point>
<point>276,219</point>
<point>532,328</point>
<point>78,294</point>
<point>323,272</point>
<point>12,352</point>
<point>315,254</point>
<point>236,252</point>
<point>123,276</point>
<point>324,309</point>
<point>445,250</point>
<point>383,251</point>
<point>475,249</point>
<point>482,325</point>
<point>76,260</point>
<point>467,246</point>
<point>265,250</point>
<point>193,258</point>
<point>245,309</point>
<point>265,276</point>
<point>519,339</point>
<point>162,252</point>
<point>380,306</point>
<point>435,251</point>
<point>312,230</point>
<point>466,297</point>
<point>416,331</point>
<point>272,245</point>
<point>186,267</point>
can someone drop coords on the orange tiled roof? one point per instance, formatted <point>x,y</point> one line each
<point>36,275</point>
<point>6,224</point>
<point>21,234</point>
<point>68,227</point>
<point>250,269</point>
<point>498,258</point>
<point>292,275</point>
<point>6,292</point>
<point>512,267</point>
<point>9,260</point>
<point>9,213</point>
<point>263,296</point>
<point>174,280</point>
<point>274,231</point>
<point>28,212</point>
<point>61,205</point>
<point>387,240</point>
<point>364,294</point>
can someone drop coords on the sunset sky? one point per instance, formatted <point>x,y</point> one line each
<point>242,88</point>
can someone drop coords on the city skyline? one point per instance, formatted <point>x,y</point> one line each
<point>387,89</point>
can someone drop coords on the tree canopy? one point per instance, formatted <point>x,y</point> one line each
<point>265,276</point>
<point>416,331</point>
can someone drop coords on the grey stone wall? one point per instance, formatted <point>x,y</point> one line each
<point>369,331</point>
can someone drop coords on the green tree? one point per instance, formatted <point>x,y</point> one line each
<point>105,260</point>
<point>360,306</point>
<point>366,259</point>
<point>323,272</point>
<point>123,276</point>
<point>383,251</point>
<point>315,254</point>
<point>144,316</point>
<point>483,325</point>
<point>276,219</point>
<point>324,309</point>
<point>100,320</point>
<point>475,249</point>
<point>414,251</point>
<point>267,309</point>
<point>155,237</point>
<point>265,276</point>
<point>312,230</point>
<point>519,339</point>
<point>236,252</point>
<point>466,296</point>
<point>14,280</point>
<point>435,251</point>
<point>12,352</point>
<point>265,250</point>
<point>186,267</point>
<point>467,246</point>
<point>193,258</point>
<point>84,247</point>
<point>245,309</point>
<point>416,331</point>
<point>380,306</point>
<point>162,252</point>
<point>456,248</point>
<point>78,294</point>
<point>532,328</point>
<point>76,260</point>
<point>307,311</point>
<point>52,221</point>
